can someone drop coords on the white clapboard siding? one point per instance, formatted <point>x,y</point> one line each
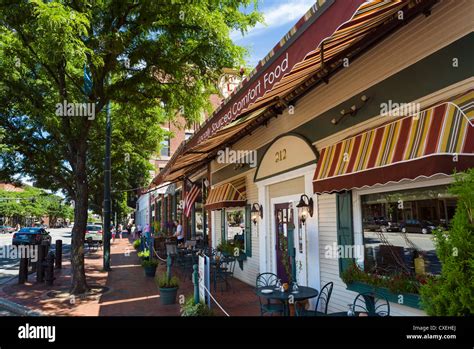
<point>341,297</point>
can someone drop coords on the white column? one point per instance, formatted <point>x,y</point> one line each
<point>263,227</point>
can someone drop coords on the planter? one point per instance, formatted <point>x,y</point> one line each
<point>150,271</point>
<point>409,299</point>
<point>168,295</point>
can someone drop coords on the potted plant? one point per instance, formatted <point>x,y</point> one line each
<point>136,244</point>
<point>191,309</point>
<point>168,287</point>
<point>150,267</point>
<point>144,255</point>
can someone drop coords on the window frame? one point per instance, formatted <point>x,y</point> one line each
<point>228,209</point>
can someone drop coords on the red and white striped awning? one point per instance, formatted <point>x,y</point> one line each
<point>438,140</point>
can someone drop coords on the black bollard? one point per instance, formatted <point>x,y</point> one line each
<point>59,254</point>
<point>23,272</point>
<point>49,269</point>
<point>42,252</point>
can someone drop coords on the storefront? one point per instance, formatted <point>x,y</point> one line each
<point>354,147</point>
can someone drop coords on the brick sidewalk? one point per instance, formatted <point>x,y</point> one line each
<point>130,292</point>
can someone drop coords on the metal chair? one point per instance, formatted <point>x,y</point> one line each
<point>321,303</point>
<point>372,304</point>
<point>225,270</point>
<point>266,280</point>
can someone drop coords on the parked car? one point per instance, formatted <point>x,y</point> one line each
<point>4,229</point>
<point>417,226</point>
<point>94,233</point>
<point>31,236</point>
<point>390,226</point>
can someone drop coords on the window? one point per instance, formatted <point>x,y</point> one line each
<point>235,226</point>
<point>198,220</point>
<point>165,147</point>
<point>398,226</point>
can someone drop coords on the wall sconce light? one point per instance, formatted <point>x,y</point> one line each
<point>305,208</point>
<point>256,211</point>
<point>352,111</point>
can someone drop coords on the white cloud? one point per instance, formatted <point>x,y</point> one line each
<point>277,14</point>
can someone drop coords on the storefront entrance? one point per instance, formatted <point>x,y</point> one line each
<point>284,230</point>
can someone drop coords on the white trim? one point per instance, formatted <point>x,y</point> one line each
<point>287,176</point>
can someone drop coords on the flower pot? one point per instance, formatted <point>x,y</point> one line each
<point>150,271</point>
<point>168,295</point>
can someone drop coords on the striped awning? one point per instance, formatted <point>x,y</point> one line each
<point>350,38</point>
<point>438,140</point>
<point>230,194</point>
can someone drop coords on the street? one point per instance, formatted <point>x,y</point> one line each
<point>9,267</point>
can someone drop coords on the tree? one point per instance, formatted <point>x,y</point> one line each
<point>149,59</point>
<point>452,293</point>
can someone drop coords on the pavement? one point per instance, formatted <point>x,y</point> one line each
<point>124,291</point>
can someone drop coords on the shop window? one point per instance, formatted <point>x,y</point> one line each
<point>198,220</point>
<point>235,227</point>
<point>398,226</point>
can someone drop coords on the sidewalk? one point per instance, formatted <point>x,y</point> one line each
<point>125,291</point>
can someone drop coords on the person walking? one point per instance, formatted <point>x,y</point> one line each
<point>113,231</point>
<point>120,230</point>
<point>132,229</point>
<point>179,232</point>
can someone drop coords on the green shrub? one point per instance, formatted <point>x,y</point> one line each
<point>191,309</point>
<point>136,244</point>
<point>145,254</point>
<point>452,292</point>
<point>149,263</point>
<point>164,281</point>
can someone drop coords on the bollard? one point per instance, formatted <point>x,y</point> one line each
<point>49,268</point>
<point>59,254</point>
<point>42,250</point>
<point>23,272</point>
<point>196,283</point>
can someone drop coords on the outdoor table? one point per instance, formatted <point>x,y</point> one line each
<point>303,293</point>
<point>344,314</point>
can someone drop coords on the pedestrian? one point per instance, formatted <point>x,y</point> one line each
<point>133,231</point>
<point>147,231</point>
<point>139,230</point>
<point>120,229</point>
<point>113,231</point>
<point>179,232</point>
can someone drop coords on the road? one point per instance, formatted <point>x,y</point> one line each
<point>9,266</point>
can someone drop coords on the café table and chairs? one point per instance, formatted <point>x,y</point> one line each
<point>268,289</point>
<point>322,303</point>
<point>366,304</point>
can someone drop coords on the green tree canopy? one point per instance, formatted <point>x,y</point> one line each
<point>149,59</point>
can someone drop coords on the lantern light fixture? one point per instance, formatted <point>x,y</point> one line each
<point>305,208</point>
<point>256,211</point>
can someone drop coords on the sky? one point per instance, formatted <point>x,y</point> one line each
<point>280,16</point>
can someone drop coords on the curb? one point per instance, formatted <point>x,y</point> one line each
<point>18,309</point>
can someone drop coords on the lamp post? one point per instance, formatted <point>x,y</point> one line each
<point>107,203</point>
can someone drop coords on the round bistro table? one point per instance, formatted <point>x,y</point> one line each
<point>303,293</point>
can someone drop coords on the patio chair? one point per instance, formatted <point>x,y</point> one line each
<point>372,304</point>
<point>267,307</point>
<point>321,303</point>
<point>225,270</point>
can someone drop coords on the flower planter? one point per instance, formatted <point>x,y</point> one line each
<point>409,299</point>
<point>168,295</point>
<point>150,271</point>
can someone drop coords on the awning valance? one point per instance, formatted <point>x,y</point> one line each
<point>230,194</point>
<point>438,140</point>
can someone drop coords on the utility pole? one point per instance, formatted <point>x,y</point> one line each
<point>107,202</point>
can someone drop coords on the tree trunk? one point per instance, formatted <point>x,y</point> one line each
<point>79,283</point>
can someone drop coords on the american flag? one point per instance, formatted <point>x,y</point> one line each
<point>191,197</point>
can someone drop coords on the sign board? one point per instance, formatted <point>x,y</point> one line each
<point>286,153</point>
<point>204,279</point>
